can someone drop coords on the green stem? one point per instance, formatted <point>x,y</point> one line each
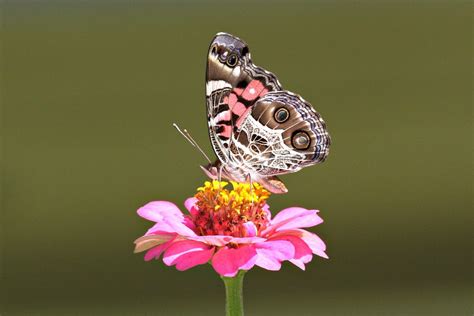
<point>234,303</point>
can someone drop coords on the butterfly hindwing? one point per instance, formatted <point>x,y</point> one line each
<point>285,134</point>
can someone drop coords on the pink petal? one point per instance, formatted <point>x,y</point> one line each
<point>160,228</point>
<point>149,241</point>
<point>193,259</point>
<point>251,229</point>
<point>190,205</point>
<point>303,253</point>
<point>228,261</point>
<point>189,223</point>
<point>222,240</point>
<point>157,210</point>
<point>246,240</point>
<point>172,225</point>
<point>266,209</point>
<point>213,240</point>
<point>270,254</point>
<point>313,241</point>
<point>316,244</point>
<point>298,263</point>
<point>155,253</point>
<point>293,217</point>
<point>168,218</point>
<point>186,254</point>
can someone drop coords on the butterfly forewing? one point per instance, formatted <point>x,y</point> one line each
<point>233,84</point>
<point>256,128</point>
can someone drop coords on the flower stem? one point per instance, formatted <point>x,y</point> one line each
<point>234,305</point>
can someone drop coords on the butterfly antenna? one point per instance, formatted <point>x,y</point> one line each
<point>191,140</point>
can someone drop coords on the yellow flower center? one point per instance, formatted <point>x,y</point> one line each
<point>224,212</point>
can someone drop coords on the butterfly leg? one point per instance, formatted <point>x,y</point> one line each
<point>219,175</point>
<point>249,179</point>
<point>219,172</point>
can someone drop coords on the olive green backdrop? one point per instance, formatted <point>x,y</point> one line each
<point>89,90</point>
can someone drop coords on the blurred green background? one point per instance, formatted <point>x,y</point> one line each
<point>89,90</point>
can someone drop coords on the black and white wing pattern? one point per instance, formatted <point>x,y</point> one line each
<point>257,129</point>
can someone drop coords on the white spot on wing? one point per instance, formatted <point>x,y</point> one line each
<point>236,72</point>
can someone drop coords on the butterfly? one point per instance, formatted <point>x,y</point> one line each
<point>257,130</point>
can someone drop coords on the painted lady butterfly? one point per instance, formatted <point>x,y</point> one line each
<point>257,129</point>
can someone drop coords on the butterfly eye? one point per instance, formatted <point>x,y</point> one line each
<point>232,60</point>
<point>300,140</point>
<point>281,115</point>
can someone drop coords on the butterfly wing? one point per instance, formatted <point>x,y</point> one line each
<point>282,135</point>
<point>233,85</point>
<point>256,128</point>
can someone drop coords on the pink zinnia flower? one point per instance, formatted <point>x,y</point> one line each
<point>232,229</point>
